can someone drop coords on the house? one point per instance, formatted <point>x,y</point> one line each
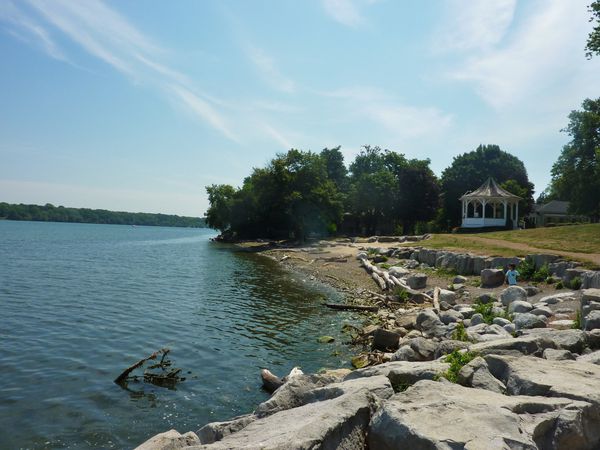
<point>554,212</point>
<point>490,206</point>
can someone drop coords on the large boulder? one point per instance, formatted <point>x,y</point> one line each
<point>169,440</point>
<point>447,296</point>
<point>526,375</point>
<point>446,416</point>
<point>398,272</point>
<point>520,306</point>
<point>572,340</point>
<point>590,279</point>
<point>592,320</point>
<point>337,417</point>
<point>590,358</point>
<point>450,316</point>
<point>215,431</point>
<point>525,345</point>
<point>484,332</point>
<point>557,298</point>
<point>491,278</point>
<point>402,373</point>
<point>385,340</point>
<point>513,294</point>
<point>477,375</point>
<point>429,323</point>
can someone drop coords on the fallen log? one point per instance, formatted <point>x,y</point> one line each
<point>352,307</point>
<point>436,298</point>
<point>379,281</point>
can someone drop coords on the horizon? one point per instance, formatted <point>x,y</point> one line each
<point>116,106</point>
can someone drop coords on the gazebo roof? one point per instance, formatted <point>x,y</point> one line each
<point>490,189</point>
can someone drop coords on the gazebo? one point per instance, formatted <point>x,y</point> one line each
<point>489,206</point>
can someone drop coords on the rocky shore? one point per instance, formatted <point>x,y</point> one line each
<point>451,359</point>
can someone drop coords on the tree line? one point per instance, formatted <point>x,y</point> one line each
<point>51,213</point>
<point>300,193</point>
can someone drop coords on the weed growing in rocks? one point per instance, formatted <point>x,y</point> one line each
<point>457,360</point>
<point>559,285</point>
<point>575,283</point>
<point>487,311</point>
<point>459,333</point>
<point>402,294</point>
<point>577,322</point>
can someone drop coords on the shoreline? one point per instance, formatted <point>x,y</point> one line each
<point>412,337</point>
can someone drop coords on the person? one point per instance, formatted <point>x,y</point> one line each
<point>511,275</point>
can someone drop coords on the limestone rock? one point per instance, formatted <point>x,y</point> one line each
<point>531,290</point>
<point>447,416</point>
<point>403,372</point>
<point>491,278</point>
<point>510,328</point>
<point>593,339</point>
<point>557,298</point>
<point>337,417</point>
<point>590,358</point>
<point>484,332</point>
<point>500,321</point>
<point>526,345</point>
<point>519,306</point>
<point>513,294</point>
<point>486,298</point>
<point>477,319</point>
<point>459,279</point>
<point>542,311</point>
<point>169,440</point>
<point>558,355</point>
<point>385,340</point>
<point>592,320</point>
<point>417,281</point>
<point>399,272</point>
<point>527,320</point>
<point>477,375</point>
<point>447,296</point>
<point>215,431</point>
<point>446,347</point>
<point>450,316</point>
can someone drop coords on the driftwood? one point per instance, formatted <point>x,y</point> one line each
<point>121,378</point>
<point>352,307</point>
<point>436,298</point>
<point>272,382</point>
<point>379,281</point>
<point>376,295</point>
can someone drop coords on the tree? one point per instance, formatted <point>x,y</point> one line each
<point>469,170</point>
<point>593,43</point>
<point>336,170</point>
<point>220,197</point>
<point>576,173</point>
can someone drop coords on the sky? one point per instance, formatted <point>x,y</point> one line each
<point>138,105</point>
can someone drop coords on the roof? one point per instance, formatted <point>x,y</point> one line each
<point>554,207</point>
<point>490,189</point>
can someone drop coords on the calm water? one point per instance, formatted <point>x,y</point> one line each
<point>79,303</point>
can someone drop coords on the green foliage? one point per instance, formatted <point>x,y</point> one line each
<point>457,360</point>
<point>385,266</point>
<point>575,283</point>
<point>550,280</point>
<point>577,322</point>
<point>469,170</point>
<point>541,274</point>
<point>526,269</point>
<point>399,386</point>
<point>576,173</point>
<point>459,333</point>
<point>559,285</point>
<point>593,43</point>
<point>402,294</point>
<point>486,310</point>
<point>51,213</point>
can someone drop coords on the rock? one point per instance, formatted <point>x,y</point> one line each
<point>447,296</point>
<point>477,319</point>
<point>519,306</point>
<point>590,358</point>
<point>417,281</point>
<point>335,416</point>
<point>500,321</point>
<point>486,298</point>
<point>170,440</point>
<point>477,375</point>
<point>447,347</point>
<point>385,340</point>
<point>484,332</point>
<point>558,355</point>
<point>592,320</point>
<point>430,324</point>
<point>407,321</point>
<point>402,372</point>
<point>590,279</point>
<point>541,260</point>
<point>573,340</point>
<point>446,416</point>
<point>542,311</point>
<point>527,320</point>
<point>325,339</point>
<point>526,375</point>
<point>526,345</point>
<point>450,316</point>
<point>459,279</point>
<point>562,324</point>
<point>458,287</point>
<point>513,294</point>
<point>510,328</point>
<point>215,431</point>
<point>399,272</point>
<point>405,353</point>
<point>425,348</point>
<point>362,255</point>
<point>491,278</point>
<point>557,298</point>
<point>531,290</point>
<point>466,311</point>
<point>593,338</point>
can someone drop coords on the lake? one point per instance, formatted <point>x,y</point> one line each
<point>81,302</point>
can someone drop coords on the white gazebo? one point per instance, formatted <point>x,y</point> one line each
<point>489,206</point>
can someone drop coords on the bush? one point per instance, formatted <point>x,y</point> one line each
<point>459,333</point>
<point>457,361</point>
<point>526,269</point>
<point>486,310</point>
<point>402,294</point>
<point>541,274</point>
<point>559,285</point>
<point>575,283</point>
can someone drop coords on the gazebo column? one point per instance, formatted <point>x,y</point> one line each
<point>505,216</point>
<point>483,203</point>
<point>516,225</point>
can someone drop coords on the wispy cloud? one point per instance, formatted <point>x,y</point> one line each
<point>474,24</point>
<point>399,120</point>
<point>268,69</point>
<point>345,12</point>
<point>543,52</point>
<point>106,35</point>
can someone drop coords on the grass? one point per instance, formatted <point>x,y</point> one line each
<point>459,333</point>
<point>486,310</point>
<point>457,361</point>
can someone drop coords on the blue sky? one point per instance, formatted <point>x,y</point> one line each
<point>137,105</point>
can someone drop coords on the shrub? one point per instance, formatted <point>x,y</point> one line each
<point>550,280</point>
<point>575,283</point>
<point>402,294</point>
<point>526,269</point>
<point>541,274</point>
<point>486,310</point>
<point>559,285</point>
<point>457,361</point>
